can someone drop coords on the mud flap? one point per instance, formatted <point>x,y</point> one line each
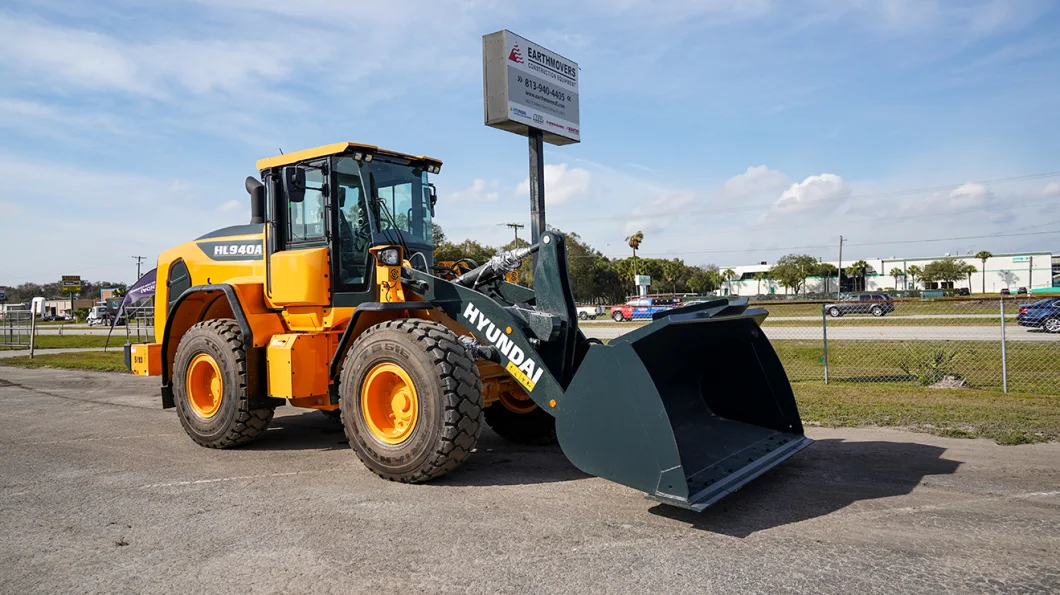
<point>688,408</point>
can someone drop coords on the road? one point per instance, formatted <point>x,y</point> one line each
<point>866,333</point>
<point>103,493</point>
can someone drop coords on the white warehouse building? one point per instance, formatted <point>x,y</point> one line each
<point>1032,270</point>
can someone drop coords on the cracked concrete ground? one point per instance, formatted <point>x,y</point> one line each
<point>101,491</point>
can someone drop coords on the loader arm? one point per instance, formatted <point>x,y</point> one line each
<point>642,410</point>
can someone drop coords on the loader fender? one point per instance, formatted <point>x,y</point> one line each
<point>205,302</point>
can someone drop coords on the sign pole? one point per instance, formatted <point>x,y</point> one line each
<point>537,186</point>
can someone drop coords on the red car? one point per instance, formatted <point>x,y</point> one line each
<point>642,308</point>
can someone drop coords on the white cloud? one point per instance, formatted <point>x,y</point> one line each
<point>479,191</point>
<point>813,192</point>
<point>1051,189</point>
<point>756,179</point>
<point>230,206</point>
<point>969,197</point>
<point>562,184</point>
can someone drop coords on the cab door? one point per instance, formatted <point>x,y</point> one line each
<point>298,264</point>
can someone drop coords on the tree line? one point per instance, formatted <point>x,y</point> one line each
<point>54,291</point>
<point>595,277</point>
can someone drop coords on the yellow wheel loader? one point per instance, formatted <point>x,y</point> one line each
<point>329,299</point>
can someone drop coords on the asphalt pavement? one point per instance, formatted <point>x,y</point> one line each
<point>103,493</point>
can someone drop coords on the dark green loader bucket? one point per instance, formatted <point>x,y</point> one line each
<point>688,408</point>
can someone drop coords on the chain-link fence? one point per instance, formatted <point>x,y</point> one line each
<point>1008,343</point>
<point>15,328</point>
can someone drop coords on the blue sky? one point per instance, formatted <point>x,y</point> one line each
<point>728,131</point>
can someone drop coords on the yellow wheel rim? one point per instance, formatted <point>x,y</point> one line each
<point>204,386</point>
<point>389,402</point>
<point>517,403</point>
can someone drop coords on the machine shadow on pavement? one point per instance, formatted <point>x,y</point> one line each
<point>827,477</point>
<point>494,462</point>
<point>497,462</point>
<point>305,431</point>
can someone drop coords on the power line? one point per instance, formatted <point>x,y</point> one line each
<point>827,246</point>
<point>139,259</point>
<point>515,227</point>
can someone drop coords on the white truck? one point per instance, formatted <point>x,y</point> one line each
<point>590,312</point>
<point>98,314</point>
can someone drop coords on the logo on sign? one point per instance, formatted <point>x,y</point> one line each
<point>516,56</point>
<point>522,113</point>
<point>538,118</point>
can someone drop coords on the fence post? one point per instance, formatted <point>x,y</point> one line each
<point>1004,356</point>
<point>32,331</point>
<point>824,332</point>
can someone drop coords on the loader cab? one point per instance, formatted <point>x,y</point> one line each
<point>340,205</point>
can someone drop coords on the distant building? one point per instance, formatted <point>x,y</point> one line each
<point>1012,270</point>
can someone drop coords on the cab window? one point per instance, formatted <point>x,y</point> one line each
<point>305,220</point>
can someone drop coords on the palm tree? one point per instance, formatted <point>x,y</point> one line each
<point>982,255</point>
<point>897,272</point>
<point>968,269</point>
<point>759,276</point>
<point>729,275</point>
<point>858,269</point>
<point>634,242</point>
<point>914,272</point>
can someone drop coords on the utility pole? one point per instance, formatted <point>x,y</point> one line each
<point>516,227</point>
<point>139,259</point>
<point>839,275</point>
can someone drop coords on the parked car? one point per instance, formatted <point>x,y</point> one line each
<point>964,291</point>
<point>642,308</point>
<point>1044,314</point>
<point>590,312</point>
<point>1022,291</point>
<point>1005,291</point>
<point>876,304</point>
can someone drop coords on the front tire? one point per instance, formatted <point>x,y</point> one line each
<point>618,317</point>
<point>583,316</point>
<point>1051,325</point>
<point>411,400</point>
<point>877,311</point>
<point>210,386</point>
<point>834,312</point>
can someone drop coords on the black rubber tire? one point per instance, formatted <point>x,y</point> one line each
<point>448,389</point>
<point>618,317</point>
<point>534,427</point>
<point>834,312</point>
<point>877,311</point>
<point>1051,325</point>
<point>583,316</point>
<point>235,423</point>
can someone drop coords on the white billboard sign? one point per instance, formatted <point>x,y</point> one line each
<point>528,86</point>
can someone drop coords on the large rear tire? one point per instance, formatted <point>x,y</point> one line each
<point>411,400</point>
<point>521,422</point>
<point>210,386</point>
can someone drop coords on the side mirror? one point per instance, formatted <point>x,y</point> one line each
<point>434,197</point>
<point>294,183</point>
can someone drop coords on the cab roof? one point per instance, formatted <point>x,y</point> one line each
<point>336,149</point>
